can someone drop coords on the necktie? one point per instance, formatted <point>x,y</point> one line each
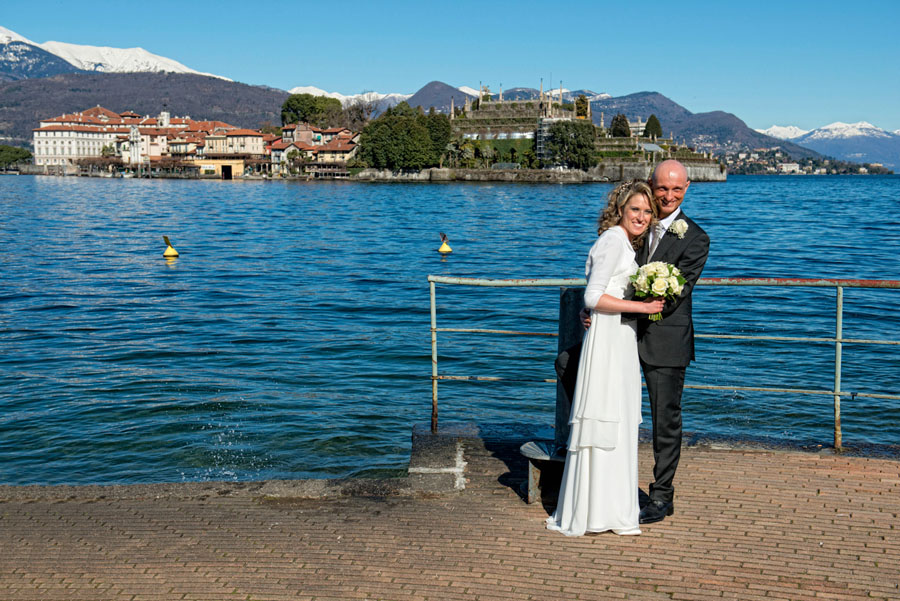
<point>657,236</point>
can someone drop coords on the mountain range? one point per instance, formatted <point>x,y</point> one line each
<point>380,102</point>
<point>40,80</point>
<point>21,52</point>
<point>859,142</point>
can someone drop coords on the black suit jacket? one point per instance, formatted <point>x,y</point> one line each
<point>670,341</point>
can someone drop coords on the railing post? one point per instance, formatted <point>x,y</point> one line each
<point>838,334</point>
<point>434,368</point>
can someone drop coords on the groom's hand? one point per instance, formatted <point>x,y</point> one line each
<point>585,316</point>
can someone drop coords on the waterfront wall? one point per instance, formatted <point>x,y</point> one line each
<point>605,172</point>
<point>48,170</point>
<point>478,175</point>
<point>616,172</point>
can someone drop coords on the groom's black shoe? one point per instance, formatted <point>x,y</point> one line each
<point>656,511</point>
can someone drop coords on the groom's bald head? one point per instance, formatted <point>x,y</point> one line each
<point>669,183</point>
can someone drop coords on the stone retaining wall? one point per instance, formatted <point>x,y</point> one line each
<point>607,171</point>
<point>621,171</point>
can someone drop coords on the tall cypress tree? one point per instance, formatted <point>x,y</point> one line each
<point>619,127</point>
<point>653,129</point>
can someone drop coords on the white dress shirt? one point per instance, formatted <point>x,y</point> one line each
<point>663,226</point>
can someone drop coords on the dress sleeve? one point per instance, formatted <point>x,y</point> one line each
<point>605,254</point>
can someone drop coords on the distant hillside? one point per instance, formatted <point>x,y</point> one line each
<point>24,103</point>
<point>437,94</point>
<point>641,104</point>
<point>716,129</point>
<point>731,132</point>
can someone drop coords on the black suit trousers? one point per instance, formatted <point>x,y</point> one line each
<point>664,386</point>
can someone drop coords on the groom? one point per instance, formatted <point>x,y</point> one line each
<point>666,347</point>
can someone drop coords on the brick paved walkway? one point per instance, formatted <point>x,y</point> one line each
<point>748,525</point>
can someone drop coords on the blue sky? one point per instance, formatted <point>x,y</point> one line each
<point>800,63</point>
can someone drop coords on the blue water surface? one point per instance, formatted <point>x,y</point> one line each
<point>291,338</point>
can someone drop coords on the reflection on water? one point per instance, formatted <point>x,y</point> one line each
<point>291,336</point>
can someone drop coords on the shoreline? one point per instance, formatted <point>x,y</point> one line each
<point>432,467</point>
<point>602,173</point>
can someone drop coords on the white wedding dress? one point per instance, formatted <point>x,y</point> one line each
<point>599,489</point>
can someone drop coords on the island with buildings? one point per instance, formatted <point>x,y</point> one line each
<point>488,138</point>
<point>101,142</point>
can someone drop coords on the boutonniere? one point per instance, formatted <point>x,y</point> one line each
<point>679,227</point>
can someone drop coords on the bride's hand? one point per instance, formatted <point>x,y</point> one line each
<point>654,305</point>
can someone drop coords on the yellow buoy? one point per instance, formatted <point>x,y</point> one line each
<point>170,252</point>
<point>445,248</point>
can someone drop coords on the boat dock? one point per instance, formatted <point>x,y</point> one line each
<point>750,523</point>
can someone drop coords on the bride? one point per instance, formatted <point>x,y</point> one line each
<point>599,484</point>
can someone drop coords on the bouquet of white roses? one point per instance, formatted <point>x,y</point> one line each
<point>658,280</point>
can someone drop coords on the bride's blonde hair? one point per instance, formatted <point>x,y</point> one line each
<point>618,198</point>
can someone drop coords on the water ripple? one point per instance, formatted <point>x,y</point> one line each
<point>291,337</point>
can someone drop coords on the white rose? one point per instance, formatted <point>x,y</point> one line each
<point>679,228</point>
<point>660,286</point>
<point>641,282</point>
<point>662,270</point>
<point>674,286</point>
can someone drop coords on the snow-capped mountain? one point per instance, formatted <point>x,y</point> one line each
<point>375,97</point>
<point>528,93</point>
<point>22,59</point>
<point>859,142</point>
<point>592,97</point>
<point>117,60</point>
<point>382,101</point>
<point>838,130</point>
<point>784,132</point>
<point>101,58</point>
<point>8,35</point>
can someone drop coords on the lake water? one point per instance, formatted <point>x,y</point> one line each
<point>291,337</point>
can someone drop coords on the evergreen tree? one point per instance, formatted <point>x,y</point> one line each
<point>529,159</point>
<point>401,110</point>
<point>375,145</point>
<point>403,138</point>
<point>653,129</point>
<point>320,111</point>
<point>12,154</point>
<point>571,143</point>
<point>619,127</point>
<point>438,126</point>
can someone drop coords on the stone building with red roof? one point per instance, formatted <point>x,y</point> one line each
<point>64,142</point>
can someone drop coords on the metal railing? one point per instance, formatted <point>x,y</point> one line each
<point>838,340</point>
